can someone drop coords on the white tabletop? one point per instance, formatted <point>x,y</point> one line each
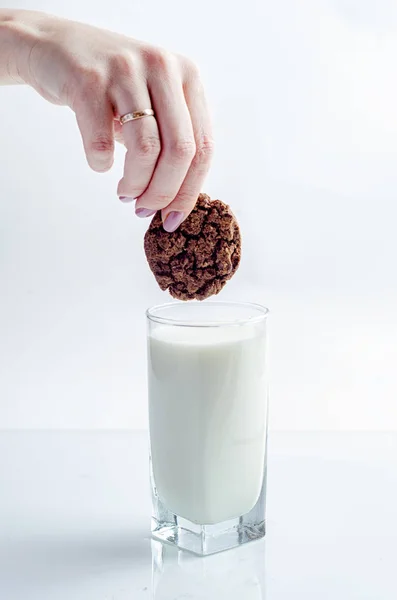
<point>75,508</point>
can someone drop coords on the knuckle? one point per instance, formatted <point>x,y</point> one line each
<point>190,68</point>
<point>183,150</point>
<point>91,80</point>
<point>148,147</point>
<point>204,152</point>
<point>158,59</point>
<point>102,144</point>
<point>123,65</point>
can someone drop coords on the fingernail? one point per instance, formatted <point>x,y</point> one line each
<point>126,199</point>
<point>144,212</point>
<point>173,220</point>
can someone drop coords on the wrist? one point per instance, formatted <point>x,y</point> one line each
<point>18,36</point>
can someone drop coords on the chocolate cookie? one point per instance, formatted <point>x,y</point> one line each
<point>197,260</point>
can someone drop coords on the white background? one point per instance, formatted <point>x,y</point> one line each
<point>304,100</point>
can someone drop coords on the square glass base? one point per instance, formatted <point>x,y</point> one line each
<point>208,539</point>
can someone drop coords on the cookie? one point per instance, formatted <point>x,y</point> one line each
<point>195,261</point>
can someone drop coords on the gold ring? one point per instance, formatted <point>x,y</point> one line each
<point>139,114</point>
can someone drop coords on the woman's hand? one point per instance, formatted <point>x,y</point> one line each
<point>101,76</point>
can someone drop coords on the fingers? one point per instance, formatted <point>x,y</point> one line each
<point>191,187</point>
<point>142,140</point>
<point>178,145</point>
<point>95,121</point>
<point>167,157</point>
<point>186,151</point>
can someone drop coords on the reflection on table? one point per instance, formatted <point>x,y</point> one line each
<point>236,574</point>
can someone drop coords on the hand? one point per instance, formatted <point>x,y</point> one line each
<point>102,75</point>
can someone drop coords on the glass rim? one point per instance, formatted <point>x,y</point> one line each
<point>180,322</point>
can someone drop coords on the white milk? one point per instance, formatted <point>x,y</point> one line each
<point>208,410</point>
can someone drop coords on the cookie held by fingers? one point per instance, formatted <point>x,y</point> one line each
<point>195,261</point>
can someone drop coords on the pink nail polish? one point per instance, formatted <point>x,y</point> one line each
<point>173,220</point>
<point>126,199</point>
<point>144,212</point>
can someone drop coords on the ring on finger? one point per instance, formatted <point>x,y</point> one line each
<point>138,114</point>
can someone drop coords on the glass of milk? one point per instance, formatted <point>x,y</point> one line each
<point>208,423</point>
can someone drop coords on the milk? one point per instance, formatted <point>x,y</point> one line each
<point>208,411</point>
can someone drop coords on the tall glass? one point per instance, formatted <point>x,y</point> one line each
<point>208,423</point>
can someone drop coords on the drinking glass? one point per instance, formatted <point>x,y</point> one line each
<point>208,406</point>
